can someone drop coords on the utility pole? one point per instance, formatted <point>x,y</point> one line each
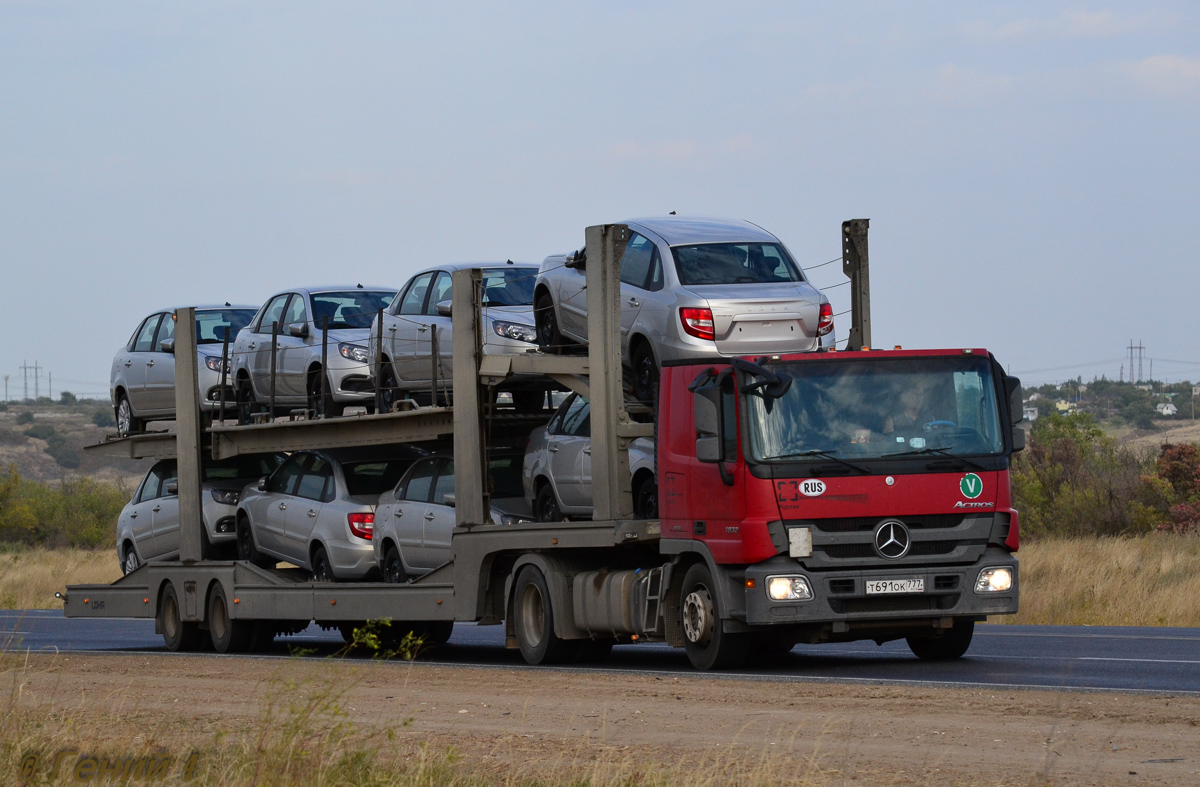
<point>6,388</point>
<point>50,382</point>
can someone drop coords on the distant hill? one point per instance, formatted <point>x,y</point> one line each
<point>49,447</point>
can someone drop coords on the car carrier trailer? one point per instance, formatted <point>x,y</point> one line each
<point>785,553</point>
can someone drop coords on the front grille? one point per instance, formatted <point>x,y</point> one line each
<point>853,523</point>
<point>933,547</point>
<point>841,586</point>
<point>857,551</point>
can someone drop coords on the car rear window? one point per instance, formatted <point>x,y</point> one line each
<point>373,478</point>
<point>734,263</point>
<point>350,309</point>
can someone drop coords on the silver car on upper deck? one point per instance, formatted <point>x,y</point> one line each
<point>422,311</point>
<point>301,313</point>
<point>142,380</point>
<point>691,288</point>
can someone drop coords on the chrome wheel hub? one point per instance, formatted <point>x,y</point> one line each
<point>698,617</point>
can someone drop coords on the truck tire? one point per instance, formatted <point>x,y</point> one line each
<point>246,548</point>
<point>950,645</point>
<point>177,635</point>
<point>707,645</point>
<point>533,618</point>
<point>228,635</point>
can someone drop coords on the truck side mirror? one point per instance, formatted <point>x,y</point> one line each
<point>708,423</point>
<point>298,329</point>
<point>443,308</point>
<point>1016,398</point>
<point>1018,439</point>
<point>167,346</point>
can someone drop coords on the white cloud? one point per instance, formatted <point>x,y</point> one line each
<point>1072,23</point>
<point>1167,75</point>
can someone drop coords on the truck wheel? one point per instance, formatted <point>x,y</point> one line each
<point>177,635</point>
<point>952,643</point>
<point>534,621</point>
<point>393,567</point>
<point>246,548</point>
<point>707,645</point>
<point>545,508</point>
<point>228,635</point>
<point>548,337</point>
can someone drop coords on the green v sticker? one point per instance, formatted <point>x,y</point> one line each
<point>971,486</point>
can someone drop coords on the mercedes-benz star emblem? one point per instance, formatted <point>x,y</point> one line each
<point>892,540</point>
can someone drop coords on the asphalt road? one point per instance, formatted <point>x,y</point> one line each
<point>1158,660</point>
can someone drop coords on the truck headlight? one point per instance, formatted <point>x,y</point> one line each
<point>516,331</point>
<point>994,580</point>
<point>789,589</point>
<point>226,497</point>
<point>353,352</point>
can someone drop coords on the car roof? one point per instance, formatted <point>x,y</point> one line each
<point>372,453</point>
<point>336,288</point>
<point>458,266</point>
<point>207,307</point>
<point>676,230</point>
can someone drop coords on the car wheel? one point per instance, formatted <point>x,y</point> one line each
<point>390,392</point>
<point>646,504</point>
<point>247,405</point>
<point>322,407</point>
<point>393,567</point>
<point>127,423</point>
<point>546,506</point>
<point>548,336</point>
<point>131,562</point>
<point>247,549</point>
<point>177,634</point>
<point>322,571</point>
<point>950,645</point>
<point>534,621</point>
<point>228,635</point>
<point>645,374</point>
<point>708,646</point>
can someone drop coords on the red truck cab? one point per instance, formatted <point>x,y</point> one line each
<point>845,495</point>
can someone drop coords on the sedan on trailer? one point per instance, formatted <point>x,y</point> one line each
<point>414,521</point>
<point>690,289</point>
<point>557,471</point>
<point>317,510</point>
<point>142,380</point>
<point>148,528</point>
<point>320,360</point>
<point>419,317</point>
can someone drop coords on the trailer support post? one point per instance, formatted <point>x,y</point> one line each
<point>471,504</point>
<point>187,439</point>
<point>612,492</point>
<point>855,266</point>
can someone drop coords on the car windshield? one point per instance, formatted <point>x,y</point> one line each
<point>734,263</point>
<point>508,286</point>
<point>350,309</point>
<point>245,466</point>
<point>871,409</point>
<point>212,326</point>
<point>375,477</point>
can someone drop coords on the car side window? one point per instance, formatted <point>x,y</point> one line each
<point>315,480</point>
<point>420,481</point>
<point>272,313</point>
<point>166,330</point>
<point>441,292</point>
<point>170,474</point>
<point>296,312</point>
<point>414,297</point>
<point>145,338</point>
<point>577,421</point>
<point>283,480</point>
<point>637,262</point>
<point>445,483</point>
<point>151,485</point>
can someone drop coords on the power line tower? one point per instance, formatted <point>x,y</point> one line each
<point>37,373</point>
<point>1136,351</point>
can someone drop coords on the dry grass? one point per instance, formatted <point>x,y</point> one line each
<point>29,577</point>
<point>1150,580</point>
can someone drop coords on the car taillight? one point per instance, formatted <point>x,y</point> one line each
<point>697,322</point>
<point>825,322</point>
<point>361,525</point>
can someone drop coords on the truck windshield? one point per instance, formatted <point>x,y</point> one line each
<point>871,409</point>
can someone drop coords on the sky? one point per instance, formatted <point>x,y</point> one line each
<point>1030,170</point>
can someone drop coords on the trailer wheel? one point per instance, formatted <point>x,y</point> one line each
<point>177,634</point>
<point>707,645</point>
<point>952,643</point>
<point>534,619</point>
<point>228,635</point>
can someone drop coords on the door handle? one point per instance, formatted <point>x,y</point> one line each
<point>391,327</point>
<point>312,513</point>
<point>422,328</point>
<point>253,345</point>
<point>156,509</point>
<point>552,448</point>
<point>133,515</point>
<point>129,363</point>
<point>588,450</point>
<point>428,517</point>
<point>149,363</point>
<point>397,512</point>
<point>634,302</point>
<point>283,506</point>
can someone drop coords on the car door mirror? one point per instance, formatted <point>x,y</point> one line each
<point>167,346</point>
<point>448,499</point>
<point>443,308</point>
<point>172,488</point>
<point>707,403</point>
<point>299,330</point>
<point>577,259</point>
<point>262,484</point>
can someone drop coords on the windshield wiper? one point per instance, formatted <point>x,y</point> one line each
<point>824,455</point>
<point>942,452</point>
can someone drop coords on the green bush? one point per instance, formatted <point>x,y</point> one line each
<point>41,432</point>
<point>24,418</point>
<point>78,513</point>
<point>67,398</point>
<point>56,445</point>
<point>103,417</point>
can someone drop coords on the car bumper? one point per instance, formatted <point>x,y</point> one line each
<point>352,561</point>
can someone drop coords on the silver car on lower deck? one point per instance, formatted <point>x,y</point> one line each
<point>691,289</point>
<point>317,511</point>
<point>142,380</point>
<point>300,316</point>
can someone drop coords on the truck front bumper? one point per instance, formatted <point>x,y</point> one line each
<point>841,596</point>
